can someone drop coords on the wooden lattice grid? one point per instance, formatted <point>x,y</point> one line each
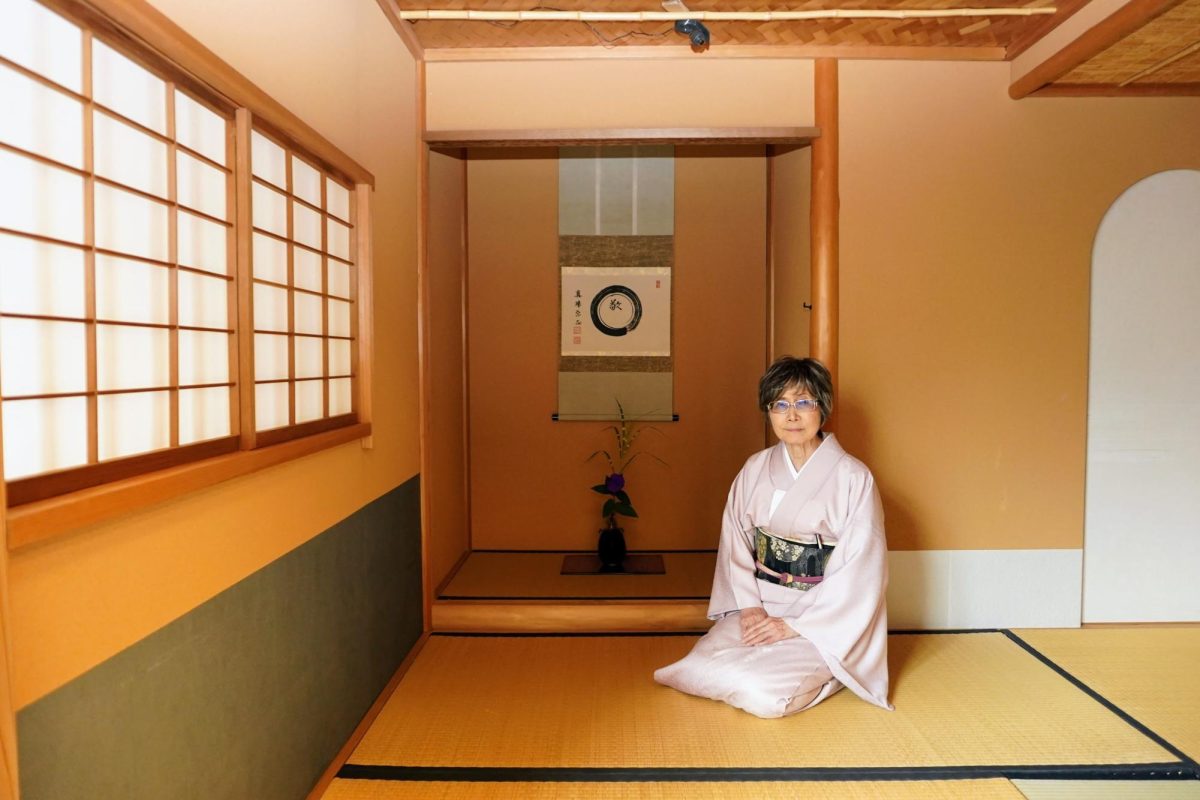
<point>938,32</point>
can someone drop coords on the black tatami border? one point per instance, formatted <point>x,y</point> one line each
<point>1167,771</point>
<point>1184,769</point>
<point>1104,701</point>
<point>564,597</point>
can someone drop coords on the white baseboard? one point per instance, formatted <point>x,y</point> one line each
<point>938,589</point>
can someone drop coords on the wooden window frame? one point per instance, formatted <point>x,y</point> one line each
<point>51,504</point>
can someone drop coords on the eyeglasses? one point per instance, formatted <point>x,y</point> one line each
<point>801,405</point>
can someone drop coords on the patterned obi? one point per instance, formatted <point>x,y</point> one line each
<point>796,565</point>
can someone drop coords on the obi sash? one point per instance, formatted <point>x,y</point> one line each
<point>796,565</point>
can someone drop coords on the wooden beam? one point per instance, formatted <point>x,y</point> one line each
<point>586,616</point>
<point>145,23</point>
<point>9,789</point>
<point>424,370</point>
<point>1095,40</point>
<point>403,28</point>
<point>823,324</point>
<point>566,137</point>
<point>46,519</point>
<point>656,52</point>
<point>1112,90</point>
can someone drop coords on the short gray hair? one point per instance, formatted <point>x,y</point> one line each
<point>806,374</point>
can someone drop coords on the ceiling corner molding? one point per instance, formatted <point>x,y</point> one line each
<point>1095,28</point>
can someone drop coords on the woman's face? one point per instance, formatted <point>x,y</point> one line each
<point>796,427</point>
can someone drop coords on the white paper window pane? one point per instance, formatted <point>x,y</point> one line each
<point>270,259</point>
<point>270,308</point>
<point>339,279</point>
<point>309,361</point>
<point>306,226</point>
<point>202,244</point>
<point>132,358</point>
<point>130,224</point>
<point>42,357</point>
<point>132,291</point>
<point>270,357</point>
<point>200,186</point>
<point>339,318</point>
<point>133,423</point>
<point>44,435</point>
<point>310,400</point>
<point>339,357</point>
<point>39,39</point>
<point>306,182</point>
<point>338,239</point>
<point>41,199</point>
<point>306,269</point>
<point>39,278</point>
<point>38,119</point>
<point>128,88</point>
<point>203,414</point>
<point>270,405</point>
<point>203,357</point>
<point>268,160</point>
<point>337,199</point>
<point>269,210</point>
<point>308,313</point>
<point>199,128</point>
<point>203,301</point>
<point>128,156</point>
<point>339,397</point>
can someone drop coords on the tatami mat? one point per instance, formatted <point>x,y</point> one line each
<point>566,702</point>
<point>1102,790</point>
<point>1150,673</point>
<point>992,789</point>
<point>536,575</point>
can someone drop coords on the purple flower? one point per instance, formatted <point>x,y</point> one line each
<point>614,483</point>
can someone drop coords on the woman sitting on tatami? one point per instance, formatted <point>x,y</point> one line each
<point>798,594</point>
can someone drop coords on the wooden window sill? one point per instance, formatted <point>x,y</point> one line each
<point>52,517</point>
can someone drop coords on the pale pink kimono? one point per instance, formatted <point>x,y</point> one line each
<point>842,621</point>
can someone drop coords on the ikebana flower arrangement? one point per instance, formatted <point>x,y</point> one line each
<point>612,536</point>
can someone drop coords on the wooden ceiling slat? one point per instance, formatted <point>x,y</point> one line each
<point>565,137</point>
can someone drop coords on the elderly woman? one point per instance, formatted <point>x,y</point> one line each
<point>798,596</point>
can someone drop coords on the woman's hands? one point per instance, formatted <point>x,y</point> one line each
<point>759,628</point>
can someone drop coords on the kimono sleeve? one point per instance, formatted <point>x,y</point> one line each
<point>734,584</point>
<point>846,618</point>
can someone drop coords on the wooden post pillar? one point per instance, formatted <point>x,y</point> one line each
<point>8,720</point>
<point>823,325</point>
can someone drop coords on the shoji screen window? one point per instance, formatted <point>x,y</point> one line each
<point>305,326</point>
<point>116,293</point>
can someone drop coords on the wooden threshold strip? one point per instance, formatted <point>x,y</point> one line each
<point>559,137</point>
<point>45,519</point>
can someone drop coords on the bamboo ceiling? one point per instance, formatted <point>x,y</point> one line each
<point>1162,56</point>
<point>1144,58</point>
<point>958,32</point>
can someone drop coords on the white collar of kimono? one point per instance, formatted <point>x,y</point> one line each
<point>784,473</point>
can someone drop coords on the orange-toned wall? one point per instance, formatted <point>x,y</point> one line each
<point>529,480</point>
<point>445,483</point>
<point>78,600</point>
<point>609,93</point>
<point>967,222</point>
<point>791,171</point>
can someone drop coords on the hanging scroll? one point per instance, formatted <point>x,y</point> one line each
<point>616,223</point>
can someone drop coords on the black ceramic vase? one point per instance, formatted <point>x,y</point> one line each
<point>612,549</point>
